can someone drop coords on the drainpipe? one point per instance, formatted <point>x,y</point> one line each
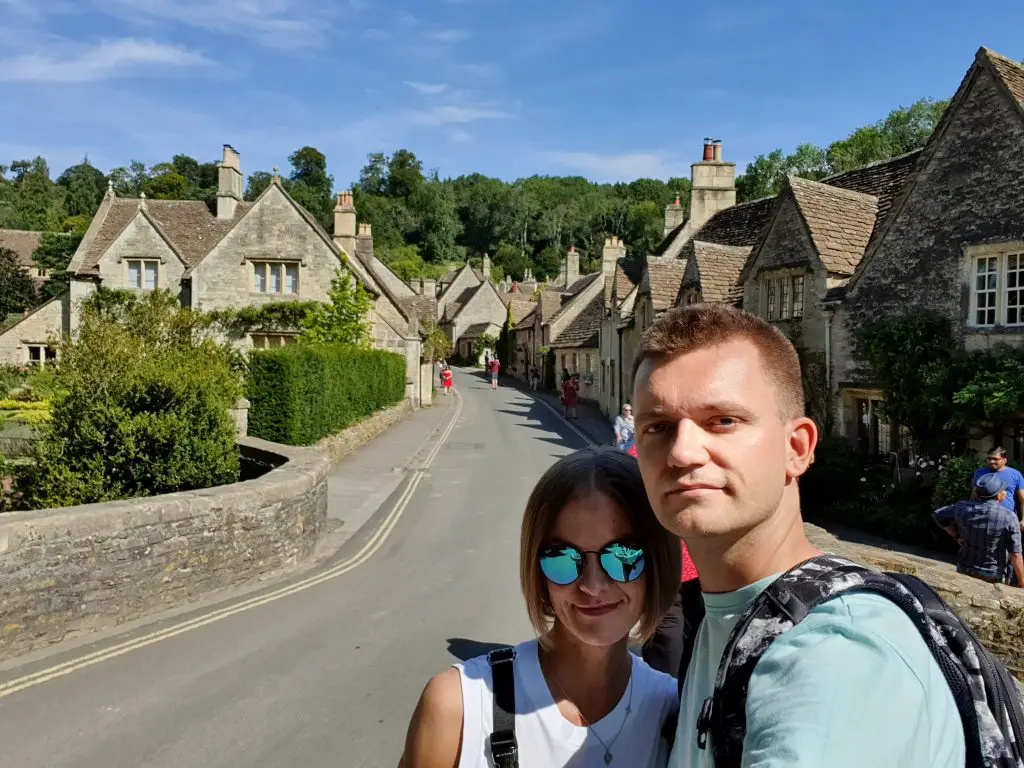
<point>828,351</point>
<point>618,406</point>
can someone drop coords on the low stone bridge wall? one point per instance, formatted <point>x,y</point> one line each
<point>994,611</point>
<point>67,571</point>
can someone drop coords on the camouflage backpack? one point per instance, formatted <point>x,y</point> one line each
<point>986,695</point>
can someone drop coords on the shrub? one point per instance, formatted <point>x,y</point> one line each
<point>953,483</point>
<point>833,477</point>
<point>142,408</point>
<point>301,393</point>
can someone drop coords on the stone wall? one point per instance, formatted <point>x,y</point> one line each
<point>340,445</point>
<point>64,572</point>
<point>140,240</point>
<point>995,612</point>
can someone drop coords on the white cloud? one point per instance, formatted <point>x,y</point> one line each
<point>127,57</point>
<point>428,89</point>
<point>447,35</point>
<point>619,167</point>
<point>452,115</point>
<point>286,24</point>
<point>483,71</point>
<point>460,136</point>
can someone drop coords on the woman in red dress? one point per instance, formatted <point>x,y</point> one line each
<point>446,380</point>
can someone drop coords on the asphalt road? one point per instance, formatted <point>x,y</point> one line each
<point>326,676</point>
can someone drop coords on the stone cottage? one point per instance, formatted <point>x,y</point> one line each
<point>229,253</point>
<point>646,290</point>
<point>23,244</point>
<point>953,243</point>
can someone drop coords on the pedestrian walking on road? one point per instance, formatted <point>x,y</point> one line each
<point>625,429</point>
<point>446,380</point>
<point>593,564</point>
<point>494,368</point>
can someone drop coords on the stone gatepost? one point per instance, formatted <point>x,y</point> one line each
<point>240,413</point>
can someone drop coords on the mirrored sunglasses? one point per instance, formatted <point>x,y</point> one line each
<point>563,564</point>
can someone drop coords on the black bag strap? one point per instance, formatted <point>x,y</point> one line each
<point>504,749</point>
<point>692,603</point>
<point>783,605</point>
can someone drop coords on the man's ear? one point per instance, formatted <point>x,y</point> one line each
<point>802,440</point>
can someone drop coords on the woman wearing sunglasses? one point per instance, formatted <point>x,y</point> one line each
<point>594,563</point>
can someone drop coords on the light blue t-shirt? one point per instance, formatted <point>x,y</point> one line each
<point>853,685</point>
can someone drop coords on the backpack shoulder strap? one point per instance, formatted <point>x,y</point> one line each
<point>780,607</point>
<point>504,749</point>
<point>692,603</point>
<point>972,675</point>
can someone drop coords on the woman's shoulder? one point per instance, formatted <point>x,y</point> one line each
<point>435,731</point>
<point>657,683</point>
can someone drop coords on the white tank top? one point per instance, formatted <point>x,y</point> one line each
<point>546,739</point>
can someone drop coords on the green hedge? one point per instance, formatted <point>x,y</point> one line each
<point>301,393</point>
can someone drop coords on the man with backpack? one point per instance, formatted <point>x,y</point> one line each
<point>791,658</point>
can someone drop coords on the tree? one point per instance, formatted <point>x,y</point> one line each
<point>258,182</point>
<point>373,178</point>
<point>506,339</point>
<point>439,227</point>
<point>903,130</point>
<point>311,185</point>
<point>53,254</point>
<point>405,174</point>
<point>85,185</point>
<point>345,320</point>
<point>17,293</point>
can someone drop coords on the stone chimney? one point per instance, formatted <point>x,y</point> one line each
<point>345,222</point>
<point>486,267</point>
<point>713,183</point>
<point>229,183</point>
<point>614,249</point>
<point>364,240</point>
<point>429,287</point>
<point>572,266</point>
<point>675,215</point>
<point>417,286</point>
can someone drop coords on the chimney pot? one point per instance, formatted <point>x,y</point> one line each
<point>709,150</point>
<point>716,146</point>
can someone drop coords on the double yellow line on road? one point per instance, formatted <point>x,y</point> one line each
<point>373,544</point>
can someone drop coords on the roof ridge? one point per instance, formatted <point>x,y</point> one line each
<point>830,188</point>
<point>866,166</point>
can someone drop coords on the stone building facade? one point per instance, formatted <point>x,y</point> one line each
<point>953,242</point>
<point>228,254</point>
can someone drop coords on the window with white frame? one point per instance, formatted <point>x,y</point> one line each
<point>40,354</point>
<point>997,287</point>
<point>271,340</point>
<point>280,277</point>
<point>142,274</point>
<point>782,296</point>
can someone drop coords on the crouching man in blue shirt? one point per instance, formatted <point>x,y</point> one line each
<point>988,532</point>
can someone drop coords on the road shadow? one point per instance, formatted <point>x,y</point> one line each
<point>464,649</point>
<point>531,414</point>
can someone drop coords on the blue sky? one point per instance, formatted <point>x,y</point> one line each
<point>609,89</point>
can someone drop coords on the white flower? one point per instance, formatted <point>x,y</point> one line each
<point>863,479</point>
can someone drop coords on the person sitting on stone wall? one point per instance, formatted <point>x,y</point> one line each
<point>988,532</point>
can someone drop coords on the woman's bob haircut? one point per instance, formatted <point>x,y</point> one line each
<point>615,475</point>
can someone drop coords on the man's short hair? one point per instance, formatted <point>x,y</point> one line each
<point>998,451</point>
<point>697,326</point>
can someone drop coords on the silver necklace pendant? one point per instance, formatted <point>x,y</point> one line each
<point>608,757</point>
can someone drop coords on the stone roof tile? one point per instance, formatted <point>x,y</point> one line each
<point>23,243</point>
<point>840,221</point>
<point>1010,72</point>
<point>719,268</point>
<point>666,277</point>
<point>583,330</point>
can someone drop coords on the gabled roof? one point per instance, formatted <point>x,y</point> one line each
<point>719,268</point>
<point>191,227</point>
<point>883,180</point>
<point>839,221</point>
<point>1007,72</point>
<point>583,330</point>
<point>476,330</point>
<point>666,243</point>
<point>23,243</point>
<point>521,308</point>
<point>664,276</point>
<point>549,302</point>
<point>741,224</point>
<point>575,290</point>
<point>1010,72</point>
<point>627,275</point>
